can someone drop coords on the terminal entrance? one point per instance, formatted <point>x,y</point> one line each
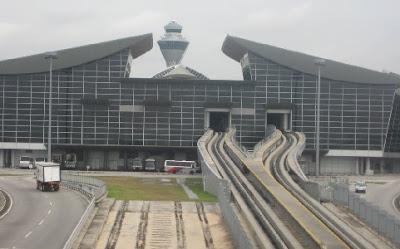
<point>280,120</point>
<point>218,121</point>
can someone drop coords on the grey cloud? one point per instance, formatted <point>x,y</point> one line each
<point>360,32</point>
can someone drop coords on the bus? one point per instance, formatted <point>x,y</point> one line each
<point>184,167</point>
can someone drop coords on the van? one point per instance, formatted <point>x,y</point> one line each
<point>26,162</point>
<point>150,164</point>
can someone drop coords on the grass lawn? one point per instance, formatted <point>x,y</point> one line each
<point>152,189</point>
<point>149,189</point>
<point>196,185</point>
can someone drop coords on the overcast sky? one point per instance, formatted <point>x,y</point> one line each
<point>359,32</point>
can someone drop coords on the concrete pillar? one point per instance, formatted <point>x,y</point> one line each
<point>85,158</point>
<point>125,160</point>
<point>105,161</point>
<point>2,159</point>
<point>285,121</point>
<point>382,166</point>
<point>13,160</point>
<point>368,170</point>
<point>357,166</point>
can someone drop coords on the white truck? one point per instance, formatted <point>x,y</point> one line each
<point>48,176</point>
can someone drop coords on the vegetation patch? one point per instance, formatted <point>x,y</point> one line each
<point>153,189</point>
<point>196,185</point>
<point>149,189</point>
<point>375,182</point>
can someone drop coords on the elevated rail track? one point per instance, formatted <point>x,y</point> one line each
<point>277,212</point>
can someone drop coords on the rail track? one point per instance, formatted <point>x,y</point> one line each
<point>278,213</point>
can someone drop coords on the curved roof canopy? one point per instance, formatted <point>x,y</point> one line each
<point>236,48</point>
<point>180,72</point>
<point>76,56</point>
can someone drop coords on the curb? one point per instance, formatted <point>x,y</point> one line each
<point>396,202</point>
<point>8,204</point>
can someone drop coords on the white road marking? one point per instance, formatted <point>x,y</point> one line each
<point>41,222</point>
<point>49,212</point>
<point>28,234</point>
<point>51,203</point>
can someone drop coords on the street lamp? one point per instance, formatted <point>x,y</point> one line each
<point>319,62</point>
<point>50,56</point>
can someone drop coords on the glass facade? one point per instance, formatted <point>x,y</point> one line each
<point>96,104</point>
<point>393,137</point>
<point>83,112</point>
<point>172,112</point>
<point>354,116</point>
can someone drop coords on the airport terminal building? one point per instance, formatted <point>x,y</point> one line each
<point>105,117</point>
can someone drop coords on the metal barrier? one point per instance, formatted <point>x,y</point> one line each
<point>383,223</point>
<point>94,190</point>
<point>78,228</point>
<point>88,185</point>
<point>213,183</point>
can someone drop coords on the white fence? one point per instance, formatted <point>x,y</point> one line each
<point>385,224</point>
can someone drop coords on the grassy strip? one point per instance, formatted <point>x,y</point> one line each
<point>196,185</point>
<point>375,182</point>
<point>153,189</point>
<point>149,189</point>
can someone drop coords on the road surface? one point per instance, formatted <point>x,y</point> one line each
<point>383,195</point>
<point>42,220</point>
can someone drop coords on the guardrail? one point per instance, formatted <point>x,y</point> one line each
<point>93,189</point>
<point>87,185</point>
<point>383,223</point>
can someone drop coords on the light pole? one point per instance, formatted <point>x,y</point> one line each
<point>319,63</point>
<point>50,56</point>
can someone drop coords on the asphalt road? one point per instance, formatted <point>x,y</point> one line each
<point>383,195</point>
<point>42,220</point>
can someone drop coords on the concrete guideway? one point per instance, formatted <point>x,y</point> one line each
<point>275,167</point>
<point>163,224</point>
<point>38,219</point>
<point>304,225</point>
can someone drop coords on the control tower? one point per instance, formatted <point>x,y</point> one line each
<point>173,45</point>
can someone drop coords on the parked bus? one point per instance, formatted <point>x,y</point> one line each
<point>184,167</point>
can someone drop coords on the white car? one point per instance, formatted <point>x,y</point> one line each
<point>360,187</point>
<point>26,162</point>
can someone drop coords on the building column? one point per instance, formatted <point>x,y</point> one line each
<point>85,158</point>
<point>13,164</point>
<point>2,159</point>
<point>285,121</point>
<point>105,161</point>
<point>357,166</point>
<point>125,159</point>
<point>368,170</point>
<point>382,166</point>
